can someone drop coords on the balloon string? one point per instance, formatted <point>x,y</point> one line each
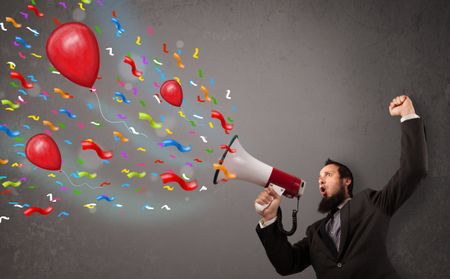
<point>130,129</point>
<point>79,185</point>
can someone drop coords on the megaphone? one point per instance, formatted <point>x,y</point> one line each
<point>243,166</point>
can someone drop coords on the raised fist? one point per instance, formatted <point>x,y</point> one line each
<point>401,105</point>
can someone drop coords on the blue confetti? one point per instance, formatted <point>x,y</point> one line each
<point>120,30</point>
<point>11,134</point>
<point>67,141</point>
<point>26,127</point>
<point>22,42</point>
<point>63,213</point>
<point>23,92</point>
<point>21,154</point>
<point>180,147</point>
<point>32,78</point>
<point>67,112</point>
<point>105,197</point>
<point>122,96</point>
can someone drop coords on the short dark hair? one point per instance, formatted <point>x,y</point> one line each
<point>344,172</point>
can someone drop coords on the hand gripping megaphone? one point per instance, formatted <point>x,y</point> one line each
<point>238,162</point>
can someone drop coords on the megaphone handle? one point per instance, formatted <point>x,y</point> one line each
<point>260,208</point>
<point>279,190</point>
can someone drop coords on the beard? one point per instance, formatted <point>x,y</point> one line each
<point>327,204</point>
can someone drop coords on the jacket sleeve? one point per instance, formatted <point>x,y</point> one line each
<point>413,168</point>
<point>285,257</point>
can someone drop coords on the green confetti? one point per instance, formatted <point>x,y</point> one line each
<point>32,2</point>
<point>31,187</point>
<point>76,192</point>
<point>142,103</point>
<point>209,150</point>
<point>192,123</point>
<point>18,139</point>
<point>61,125</point>
<point>13,84</point>
<point>98,30</point>
<point>200,73</point>
<point>229,119</point>
<point>214,100</point>
<point>79,161</point>
<point>129,54</point>
<point>137,190</point>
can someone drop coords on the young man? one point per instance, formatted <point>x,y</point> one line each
<point>350,241</point>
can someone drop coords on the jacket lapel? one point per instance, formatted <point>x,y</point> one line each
<point>345,217</point>
<point>326,239</point>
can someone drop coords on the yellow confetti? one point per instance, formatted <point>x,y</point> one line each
<point>90,205</point>
<point>168,188</point>
<point>169,131</point>
<point>141,149</point>
<point>211,125</point>
<point>34,117</point>
<point>125,171</point>
<point>12,66</point>
<point>81,6</point>
<point>138,40</point>
<point>181,114</point>
<point>195,56</point>
<point>51,175</point>
<point>36,55</point>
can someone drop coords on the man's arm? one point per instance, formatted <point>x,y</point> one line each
<point>286,258</point>
<point>413,159</point>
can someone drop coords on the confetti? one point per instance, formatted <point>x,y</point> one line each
<point>153,124</point>
<point>168,177</point>
<point>180,147</point>
<point>42,211</point>
<point>105,155</point>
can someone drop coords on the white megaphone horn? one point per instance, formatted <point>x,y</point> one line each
<point>244,166</point>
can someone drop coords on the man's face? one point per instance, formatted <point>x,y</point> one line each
<point>332,188</point>
<point>330,181</point>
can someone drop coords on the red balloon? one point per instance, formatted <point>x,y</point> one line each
<point>42,151</point>
<point>73,50</point>
<point>171,91</point>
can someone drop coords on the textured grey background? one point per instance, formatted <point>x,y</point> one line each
<point>311,79</point>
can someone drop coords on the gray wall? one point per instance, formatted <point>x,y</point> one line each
<point>310,80</point>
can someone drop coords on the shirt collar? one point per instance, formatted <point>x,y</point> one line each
<point>344,203</point>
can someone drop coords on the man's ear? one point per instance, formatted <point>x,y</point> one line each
<point>347,181</point>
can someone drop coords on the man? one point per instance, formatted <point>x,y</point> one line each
<point>350,241</point>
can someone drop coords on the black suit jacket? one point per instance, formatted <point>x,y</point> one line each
<point>364,224</point>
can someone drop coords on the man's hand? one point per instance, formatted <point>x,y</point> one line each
<point>269,196</point>
<point>401,105</point>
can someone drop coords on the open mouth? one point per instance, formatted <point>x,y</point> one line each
<point>323,191</point>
